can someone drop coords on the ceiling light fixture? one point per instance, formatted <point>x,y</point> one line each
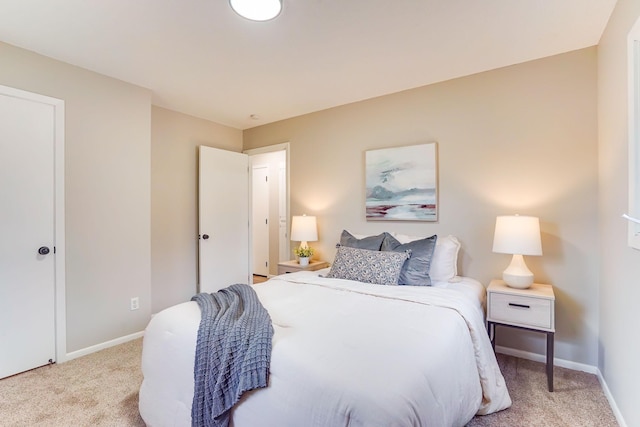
<point>257,10</point>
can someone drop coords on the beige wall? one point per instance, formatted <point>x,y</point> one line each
<point>520,139</point>
<point>175,138</point>
<point>107,153</point>
<point>620,265</point>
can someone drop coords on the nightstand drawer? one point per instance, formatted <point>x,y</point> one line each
<point>519,310</point>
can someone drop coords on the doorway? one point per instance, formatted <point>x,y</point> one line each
<point>260,217</point>
<point>273,161</point>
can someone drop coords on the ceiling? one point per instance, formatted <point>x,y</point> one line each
<point>199,58</point>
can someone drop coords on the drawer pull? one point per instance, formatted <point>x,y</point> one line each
<point>513,304</point>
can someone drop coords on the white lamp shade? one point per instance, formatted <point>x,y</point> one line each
<point>515,234</point>
<point>257,10</point>
<point>304,228</point>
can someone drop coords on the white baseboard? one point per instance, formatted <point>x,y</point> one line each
<point>102,346</point>
<point>612,402</point>
<point>573,366</point>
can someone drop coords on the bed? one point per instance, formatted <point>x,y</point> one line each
<point>344,353</point>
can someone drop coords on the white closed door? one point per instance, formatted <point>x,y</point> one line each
<point>260,219</point>
<point>27,276</point>
<point>223,197</point>
<point>283,229</point>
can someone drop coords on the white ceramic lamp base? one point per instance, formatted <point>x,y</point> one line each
<point>517,275</point>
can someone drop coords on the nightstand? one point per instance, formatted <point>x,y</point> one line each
<point>532,309</point>
<point>293,266</point>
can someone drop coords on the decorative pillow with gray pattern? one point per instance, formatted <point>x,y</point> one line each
<point>364,265</point>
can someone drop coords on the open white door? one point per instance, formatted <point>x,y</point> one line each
<point>27,264</point>
<point>223,197</point>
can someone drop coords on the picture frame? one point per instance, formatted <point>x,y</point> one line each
<point>402,183</point>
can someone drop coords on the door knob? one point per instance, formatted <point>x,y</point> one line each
<point>205,236</point>
<point>43,250</point>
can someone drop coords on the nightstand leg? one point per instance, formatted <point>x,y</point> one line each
<point>492,327</point>
<point>550,360</point>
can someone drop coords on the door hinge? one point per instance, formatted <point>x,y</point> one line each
<point>54,249</point>
<point>266,264</point>
<point>266,179</point>
<point>266,221</point>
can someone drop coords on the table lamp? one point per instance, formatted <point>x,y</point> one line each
<point>304,229</point>
<point>517,235</point>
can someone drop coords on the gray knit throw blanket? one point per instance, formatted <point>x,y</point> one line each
<point>233,352</point>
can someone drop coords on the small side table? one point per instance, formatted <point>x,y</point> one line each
<point>293,266</point>
<point>531,309</point>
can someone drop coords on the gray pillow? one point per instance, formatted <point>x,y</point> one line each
<point>363,265</point>
<point>372,243</point>
<point>415,271</point>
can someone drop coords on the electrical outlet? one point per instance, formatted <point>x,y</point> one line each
<point>135,303</point>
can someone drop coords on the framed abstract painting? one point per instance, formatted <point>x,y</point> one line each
<point>402,183</point>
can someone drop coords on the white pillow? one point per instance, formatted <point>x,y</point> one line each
<point>444,263</point>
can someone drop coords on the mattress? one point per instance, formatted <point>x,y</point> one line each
<point>344,353</point>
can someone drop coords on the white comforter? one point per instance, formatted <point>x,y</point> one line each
<point>344,353</point>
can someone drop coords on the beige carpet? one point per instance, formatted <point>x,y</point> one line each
<point>102,390</point>
<point>577,399</point>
